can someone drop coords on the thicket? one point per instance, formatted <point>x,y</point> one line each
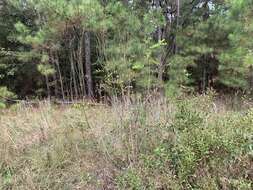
<point>95,48</point>
<point>149,57</point>
<point>177,144</point>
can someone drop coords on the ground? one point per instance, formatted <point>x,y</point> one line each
<point>193,143</point>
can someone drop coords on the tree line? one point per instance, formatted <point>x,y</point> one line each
<point>73,49</point>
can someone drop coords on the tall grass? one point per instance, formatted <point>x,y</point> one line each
<point>195,143</point>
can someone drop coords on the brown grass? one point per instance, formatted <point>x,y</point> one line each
<point>100,147</point>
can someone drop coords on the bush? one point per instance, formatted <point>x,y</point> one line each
<point>140,145</point>
<point>5,96</point>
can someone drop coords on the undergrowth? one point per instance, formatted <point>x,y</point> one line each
<point>158,144</point>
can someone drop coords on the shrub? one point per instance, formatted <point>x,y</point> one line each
<point>5,96</point>
<point>139,145</point>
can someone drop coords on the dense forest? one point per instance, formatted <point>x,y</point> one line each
<point>126,94</point>
<point>93,49</point>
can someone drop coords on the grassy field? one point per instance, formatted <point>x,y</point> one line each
<point>194,143</point>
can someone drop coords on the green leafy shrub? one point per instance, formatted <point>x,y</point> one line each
<point>129,180</point>
<point>176,145</point>
<point>203,148</point>
<point>5,96</point>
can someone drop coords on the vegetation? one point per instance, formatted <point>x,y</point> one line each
<point>126,94</point>
<point>79,49</point>
<point>139,145</point>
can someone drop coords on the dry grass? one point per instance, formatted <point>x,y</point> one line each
<point>122,146</point>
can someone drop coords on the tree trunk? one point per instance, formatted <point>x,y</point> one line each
<point>251,78</point>
<point>178,16</point>
<point>55,81</point>
<point>73,73</point>
<point>204,76</point>
<point>89,81</point>
<point>56,58</point>
<point>178,12</point>
<point>161,66</point>
<point>159,38</point>
<point>80,64</point>
<point>48,88</point>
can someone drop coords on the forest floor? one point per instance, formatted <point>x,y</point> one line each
<point>194,143</point>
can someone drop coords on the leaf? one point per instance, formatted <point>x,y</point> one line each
<point>248,60</point>
<point>159,44</point>
<point>46,69</point>
<point>138,66</point>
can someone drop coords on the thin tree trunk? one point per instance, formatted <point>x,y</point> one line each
<point>77,71</point>
<point>251,77</point>
<point>56,59</point>
<point>88,65</point>
<point>48,88</point>
<point>73,73</point>
<point>72,66</point>
<point>71,90</point>
<point>178,12</point>
<point>55,85</point>
<point>159,39</point>
<point>160,69</point>
<point>204,80</point>
<point>80,65</point>
<point>55,81</point>
<point>178,16</point>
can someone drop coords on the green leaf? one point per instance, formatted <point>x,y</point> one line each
<point>138,66</point>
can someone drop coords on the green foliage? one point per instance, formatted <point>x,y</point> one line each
<point>179,145</point>
<point>187,118</point>
<point>129,180</point>
<point>5,95</point>
<point>46,69</point>
<point>208,45</point>
<point>6,174</point>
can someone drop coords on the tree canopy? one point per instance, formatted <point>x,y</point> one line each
<point>95,48</point>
